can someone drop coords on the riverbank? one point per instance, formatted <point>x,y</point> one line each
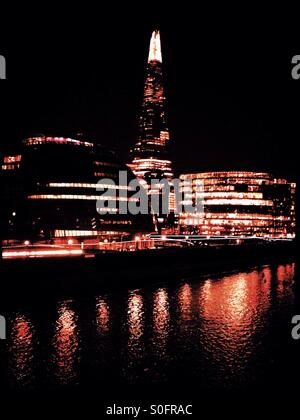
<point>111,270</point>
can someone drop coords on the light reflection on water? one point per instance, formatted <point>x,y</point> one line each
<point>21,349</point>
<point>161,321</point>
<point>102,315</point>
<point>218,330</point>
<point>65,344</point>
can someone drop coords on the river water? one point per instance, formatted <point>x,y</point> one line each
<point>230,331</point>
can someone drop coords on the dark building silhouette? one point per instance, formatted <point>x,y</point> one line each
<point>50,192</point>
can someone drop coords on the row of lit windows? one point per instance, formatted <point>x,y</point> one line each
<point>156,142</point>
<point>257,232</point>
<point>116,222</point>
<point>230,181</point>
<point>221,222</point>
<point>108,210</point>
<point>160,161</point>
<point>253,231</point>
<point>164,135</point>
<point>113,165</point>
<point>56,140</point>
<point>88,185</point>
<point>146,164</point>
<point>282,182</point>
<point>202,187</point>
<point>10,167</point>
<point>232,195</point>
<point>232,202</point>
<point>216,181</point>
<point>60,233</point>
<point>105,175</point>
<point>229,174</point>
<point>233,216</point>
<point>142,169</point>
<point>223,230</point>
<point>12,159</point>
<point>78,197</point>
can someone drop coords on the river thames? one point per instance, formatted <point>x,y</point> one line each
<point>229,332</point>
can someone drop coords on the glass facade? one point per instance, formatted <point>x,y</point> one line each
<point>240,204</point>
<point>151,152</point>
<point>150,157</point>
<point>51,192</point>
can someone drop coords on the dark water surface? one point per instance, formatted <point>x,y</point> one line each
<point>226,332</point>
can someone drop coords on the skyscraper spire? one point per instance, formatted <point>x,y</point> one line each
<point>155,47</point>
<point>150,157</point>
<point>151,152</point>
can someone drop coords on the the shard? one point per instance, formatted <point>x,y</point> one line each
<point>150,157</point>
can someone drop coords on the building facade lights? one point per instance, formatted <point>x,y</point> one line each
<point>55,190</point>
<point>240,203</point>
<point>150,157</point>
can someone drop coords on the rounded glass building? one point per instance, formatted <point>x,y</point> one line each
<point>50,192</point>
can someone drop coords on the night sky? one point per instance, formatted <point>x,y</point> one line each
<point>232,103</point>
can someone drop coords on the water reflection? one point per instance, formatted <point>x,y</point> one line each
<point>102,346</point>
<point>236,312</point>
<point>21,348</point>
<point>232,309</point>
<point>65,345</point>
<point>135,320</point>
<point>285,275</point>
<point>102,315</point>
<point>286,272</point>
<point>220,330</point>
<point>184,301</point>
<point>161,321</point>
<point>133,347</point>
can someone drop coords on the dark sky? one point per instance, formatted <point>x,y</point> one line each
<point>232,102</point>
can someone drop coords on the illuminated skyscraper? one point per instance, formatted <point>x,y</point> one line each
<point>150,157</point>
<point>151,154</point>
